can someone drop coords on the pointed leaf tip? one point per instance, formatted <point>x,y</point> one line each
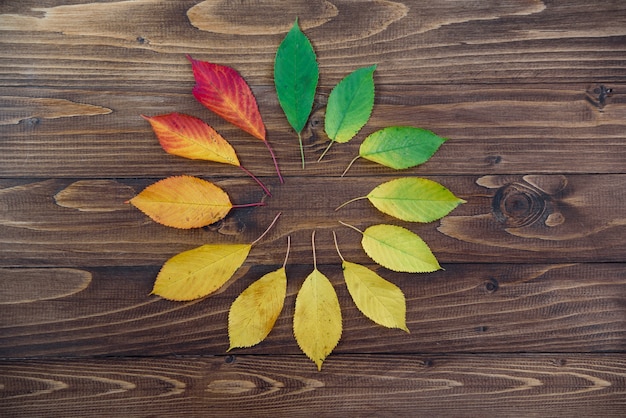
<point>222,90</point>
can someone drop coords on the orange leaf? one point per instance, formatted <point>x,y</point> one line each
<point>225,92</point>
<point>183,202</point>
<point>189,137</point>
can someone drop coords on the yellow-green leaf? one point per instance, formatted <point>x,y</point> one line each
<point>414,199</point>
<point>381,301</point>
<point>183,202</point>
<point>253,314</point>
<point>317,318</point>
<point>398,249</point>
<point>199,272</point>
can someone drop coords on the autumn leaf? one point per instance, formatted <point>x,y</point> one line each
<point>399,147</point>
<point>296,74</point>
<point>190,137</point>
<point>201,271</point>
<point>378,299</point>
<point>253,314</point>
<point>185,202</point>
<point>397,249</point>
<point>412,199</point>
<point>222,90</point>
<point>349,106</point>
<point>317,319</point>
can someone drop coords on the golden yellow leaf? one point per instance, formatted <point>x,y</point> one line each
<point>183,202</point>
<point>317,318</point>
<point>381,301</point>
<point>199,272</point>
<point>253,314</point>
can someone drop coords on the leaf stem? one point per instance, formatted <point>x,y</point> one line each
<point>301,148</point>
<point>248,205</point>
<point>280,177</point>
<point>337,246</point>
<point>350,226</point>
<point>350,201</point>
<point>313,246</point>
<point>288,249</point>
<point>332,141</point>
<point>267,230</point>
<point>245,170</point>
<point>350,165</point>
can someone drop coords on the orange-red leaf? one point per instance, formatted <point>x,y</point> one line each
<point>225,92</point>
<point>190,137</point>
<point>183,202</point>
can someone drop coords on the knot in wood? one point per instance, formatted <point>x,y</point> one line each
<point>517,205</point>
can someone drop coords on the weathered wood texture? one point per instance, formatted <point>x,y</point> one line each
<point>531,95</point>
<point>392,385</point>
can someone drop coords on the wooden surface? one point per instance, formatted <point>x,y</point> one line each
<point>527,319</point>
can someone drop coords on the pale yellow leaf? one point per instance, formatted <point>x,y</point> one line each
<point>380,300</point>
<point>253,314</point>
<point>317,318</point>
<point>199,272</point>
<point>398,249</point>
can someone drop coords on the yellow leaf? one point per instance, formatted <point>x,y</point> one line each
<point>398,249</point>
<point>253,314</point>
<point>379,300</point>
<point>183,202</point>
<point>199,272</point>
<point>317,318</point>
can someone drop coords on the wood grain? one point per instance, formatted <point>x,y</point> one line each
<point>527,319</point>
<point>491,129</point>
<point>393,385</point>
<point>59,223</point>
<point>467,308</point>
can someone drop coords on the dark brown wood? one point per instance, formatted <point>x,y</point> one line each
<point>467,308</point>
<point>528,317</point>
<point>353,385</point>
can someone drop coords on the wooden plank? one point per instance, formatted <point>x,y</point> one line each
<point>115,44</point>
<point>492,129</point>
<point>467,308</point>
<point>533,218</point>
<point>394,385</point>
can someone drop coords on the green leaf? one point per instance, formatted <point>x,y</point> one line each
<point>317,318</point>
<point>414,199</point>
<point>400,147</point>
<point>350,105</point>
<point>398,249</point>
<point>381,301</point>
<point>296,75</point>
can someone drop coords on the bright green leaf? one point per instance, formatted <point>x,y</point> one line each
<point>199,272</point>
<point>296,75</point>
<point>414,199</point>
<point>350,105</point>
<point>317,318</point>
<point>398,249</point>
<point>400,147</point>
<point>253,314</point>
<point>381,301</point>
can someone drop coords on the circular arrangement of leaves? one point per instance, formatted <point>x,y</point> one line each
<point>190,202</point>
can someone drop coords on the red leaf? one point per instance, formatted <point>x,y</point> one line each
<point>225,92</point>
